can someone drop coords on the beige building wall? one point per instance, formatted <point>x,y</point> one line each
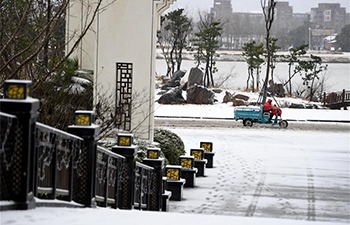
<point>124,31</point>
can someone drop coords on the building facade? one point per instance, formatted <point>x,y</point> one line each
<point>283,15</point>
<point>329,16</point>
<point>222,9</point>
<point>120,50</point>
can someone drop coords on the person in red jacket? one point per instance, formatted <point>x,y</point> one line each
<point>269,108</point>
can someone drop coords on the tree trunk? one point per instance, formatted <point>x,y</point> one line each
<point>46,46</point>
<point>290,80</point>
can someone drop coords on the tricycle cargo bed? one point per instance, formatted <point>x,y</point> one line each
<point>253,113</point>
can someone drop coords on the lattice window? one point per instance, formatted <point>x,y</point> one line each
<point>123,95</point>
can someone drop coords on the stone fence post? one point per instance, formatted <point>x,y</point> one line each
<point>23,172</point>
<point>126,148</point>
<point>153,160</point>
<point>84,183</point>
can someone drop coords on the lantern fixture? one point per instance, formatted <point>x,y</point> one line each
<point>84,118</point>
<point>207,146</point>
<point>125,139</point>
<point>18,89</point>
<point>173,172</point>
<point>197,153</point>
<point>187,162</point>
<point>153,153</point>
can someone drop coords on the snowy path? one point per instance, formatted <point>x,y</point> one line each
<point>271,173</point>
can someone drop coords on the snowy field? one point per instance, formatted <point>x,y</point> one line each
<point>226,110</point>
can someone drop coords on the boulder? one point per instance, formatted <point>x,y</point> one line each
<point>175,80</point>
<point>297,106</point>
<point>195,77</point>
<point>227,97</point>
<point>238,102</point>
<point>200,95</point>
<point>216,90</point>
<point>242,97</point>
<point>173,96</point>
<point>178,75</point>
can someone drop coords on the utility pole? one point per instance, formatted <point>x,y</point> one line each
<point>310,48</point>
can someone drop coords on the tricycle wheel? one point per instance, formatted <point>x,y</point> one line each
<point>283,123</point>
<point>247,122</point>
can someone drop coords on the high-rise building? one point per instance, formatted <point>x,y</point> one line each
<point>222,9</point>
<point>329,16</point>
<point>283,15</point>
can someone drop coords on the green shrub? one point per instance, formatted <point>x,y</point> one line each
<point>170,144</point>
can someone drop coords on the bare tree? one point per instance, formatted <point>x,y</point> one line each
<point>32,47</point>
<point>268,7</point>
<point>109,119</point>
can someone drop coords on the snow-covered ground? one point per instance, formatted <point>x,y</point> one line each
<point>226,110</point>
<point>260,177</point>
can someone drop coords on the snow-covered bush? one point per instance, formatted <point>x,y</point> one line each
<point>171,145</point>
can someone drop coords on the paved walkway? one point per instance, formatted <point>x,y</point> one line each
<point>271,173</point>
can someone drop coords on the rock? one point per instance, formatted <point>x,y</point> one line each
<point>171,85</point>
<point>238,102</point>
<point>200,95</point>
<point>311,106</point>
<point>216,90</point>
<point>297,106</point>
<point>178,75</point>
<point>175,80</point>
<point>240,96</point>
<point>195,77</point>
<point>173,96</point>
<point>227,97</point>
<point>184,87</point>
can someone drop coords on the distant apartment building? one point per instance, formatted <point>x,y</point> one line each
<point>283,15</point>
<point>326,20</point>
<point>222,9</point>
<point>329,16</point>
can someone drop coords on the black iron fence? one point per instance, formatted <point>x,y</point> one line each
<point>58,162</point>
<point>43,162</point>
<point>143,181</point>
<point>109,177</point>
<point>8,140</point>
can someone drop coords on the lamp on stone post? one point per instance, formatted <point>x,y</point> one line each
<point>84,185</point>
<point>199,161</point>
<point>174,182</point>
<point>208,153</point>
<point>153,159</point>
<point>22,176</point>
<point>126,148</point>
<point>187,170</point>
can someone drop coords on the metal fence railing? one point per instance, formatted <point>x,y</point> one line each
<point>109,177</point>
<point>143,179</point>
<point>58,159</point>
<point>9,144</point>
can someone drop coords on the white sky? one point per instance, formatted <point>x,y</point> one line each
<point>299,6</point>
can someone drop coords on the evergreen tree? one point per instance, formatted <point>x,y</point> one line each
<point>179,26</point>
<point>253,53</point>
<point>295,64</point>
<point>343,39</point>
<point>313,68</point>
